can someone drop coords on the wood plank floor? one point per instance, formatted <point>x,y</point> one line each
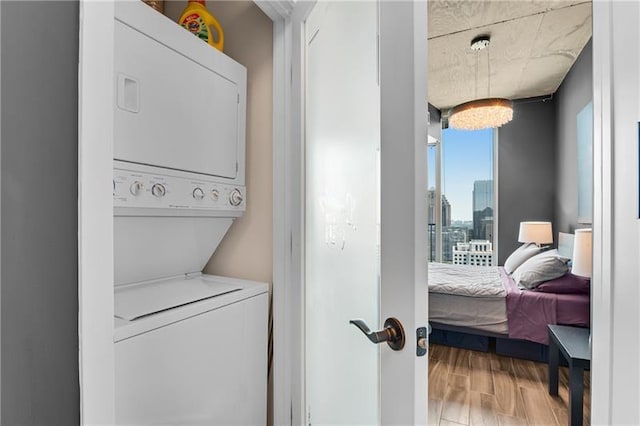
<point>481,388</point>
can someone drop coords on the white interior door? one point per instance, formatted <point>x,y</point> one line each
<point>365,216</point>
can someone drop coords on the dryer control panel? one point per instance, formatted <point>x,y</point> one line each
<point>160,189</point>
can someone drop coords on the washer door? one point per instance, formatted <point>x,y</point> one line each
<point>205,370</point>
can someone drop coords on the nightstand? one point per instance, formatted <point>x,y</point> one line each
<point>573,343</point>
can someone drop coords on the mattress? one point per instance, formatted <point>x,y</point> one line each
<point>486,313</point>
<point>468,296</point>
<point>499,306</point>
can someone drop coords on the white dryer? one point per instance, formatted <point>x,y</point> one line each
<point>190,348</point>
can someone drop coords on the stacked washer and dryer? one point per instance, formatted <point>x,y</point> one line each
<point>190,348</point>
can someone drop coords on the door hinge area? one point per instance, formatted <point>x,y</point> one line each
<point>238,98</point>
<point>309,416</point>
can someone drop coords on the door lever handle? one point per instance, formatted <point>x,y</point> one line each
<point>392,333</point>
<point>374,336</point>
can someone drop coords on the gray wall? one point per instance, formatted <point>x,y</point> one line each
<point>526,170</point>
<point>575,92</point>
<point>39,282</point>
<point>537,170</point>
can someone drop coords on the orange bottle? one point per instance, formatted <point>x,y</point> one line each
<point>197,19</point>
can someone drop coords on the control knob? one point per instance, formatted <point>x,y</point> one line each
<point>135,188</point>
<point>215,194</point>
<point>158,190</point>
<point>235,197</point>
<point>198,194</point>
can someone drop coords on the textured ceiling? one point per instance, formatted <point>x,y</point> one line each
<point>533,45</point>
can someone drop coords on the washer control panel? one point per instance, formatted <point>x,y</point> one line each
<point>150,190</point>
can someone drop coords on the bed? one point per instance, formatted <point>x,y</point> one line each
<point>478,307</point>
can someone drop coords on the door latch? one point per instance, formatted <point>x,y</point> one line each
<point>422,340</point>
<point>392,333</point>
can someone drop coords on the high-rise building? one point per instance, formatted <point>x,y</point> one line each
<point>447,236</point>
<point>431,208</point>
<point>482,194</point>
<point>446,211</point>
<point>451,236</point>
<point>483,210</point>
<point>431,242</point>
<point>474,253</point>
<point>486,227</point>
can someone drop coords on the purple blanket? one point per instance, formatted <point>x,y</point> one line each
<point>529,312</point>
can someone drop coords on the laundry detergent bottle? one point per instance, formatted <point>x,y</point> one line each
<point>197,19</point>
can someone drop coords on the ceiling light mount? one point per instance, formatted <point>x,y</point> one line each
<point>480,42</point>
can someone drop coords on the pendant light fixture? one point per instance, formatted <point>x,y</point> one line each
<point>481,113</point>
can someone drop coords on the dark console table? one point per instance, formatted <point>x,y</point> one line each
<point>573,343</point>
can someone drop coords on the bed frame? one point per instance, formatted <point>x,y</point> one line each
<point>501,344</point>
<point>485,341</point>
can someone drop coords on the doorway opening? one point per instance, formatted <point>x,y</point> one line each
<point>477,351</point>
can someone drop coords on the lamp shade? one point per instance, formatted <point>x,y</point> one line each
<point>581,262</point>
<point>535,232</point>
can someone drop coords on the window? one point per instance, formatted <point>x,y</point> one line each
<point>461,203</point>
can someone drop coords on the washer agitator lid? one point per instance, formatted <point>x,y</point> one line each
<point>139,300</point>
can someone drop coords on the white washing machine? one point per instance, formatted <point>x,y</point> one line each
<point>180,362</point>
<point>190,348</point>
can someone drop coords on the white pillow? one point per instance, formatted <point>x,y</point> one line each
<point>542,267</point>
<point>521,255</point>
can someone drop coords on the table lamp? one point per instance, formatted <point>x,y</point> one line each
<point>535,232</point>
<point>581,260</point>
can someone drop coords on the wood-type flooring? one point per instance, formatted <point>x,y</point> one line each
<point>482,388</point>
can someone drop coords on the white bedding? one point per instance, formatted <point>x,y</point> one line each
<point>468,296</point>
<point>465,280</point>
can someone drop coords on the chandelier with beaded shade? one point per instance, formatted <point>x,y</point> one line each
<point>481,113</point>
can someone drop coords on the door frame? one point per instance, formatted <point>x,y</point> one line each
<point>288,227</point>
<point>95,213</point>
<point>288,293</point>
<point>603,236</point>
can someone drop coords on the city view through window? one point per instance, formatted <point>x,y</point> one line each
<point>461,225</point>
